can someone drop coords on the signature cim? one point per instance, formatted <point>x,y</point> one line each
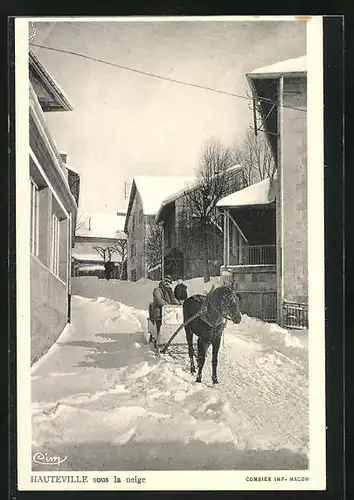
<point>44,458</point>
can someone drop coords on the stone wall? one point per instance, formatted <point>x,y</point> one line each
<point>49,308</point>
<point>250,278</point>
<point>294,216</point>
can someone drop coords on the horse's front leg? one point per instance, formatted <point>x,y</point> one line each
<point>189,336</point>
<point>202,350</point>
<point>214,361</point>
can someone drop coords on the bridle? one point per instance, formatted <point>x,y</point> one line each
<point>198,314</point>
<point>204,308</point>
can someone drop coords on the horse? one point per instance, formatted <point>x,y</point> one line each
<point>211,312</point>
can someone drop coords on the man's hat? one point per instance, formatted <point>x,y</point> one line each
<point>168,279</point>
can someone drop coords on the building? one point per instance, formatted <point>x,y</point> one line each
<point>146,196</point>
<point>99,238</point>
<point>73,178</point>
<point>184,248</point>
<point>280,95</point>
<point>250,247</point>
<point>53,212</point>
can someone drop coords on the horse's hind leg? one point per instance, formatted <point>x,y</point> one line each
<point>214,361</point>
<point>189,336</point>
<point>202,350</point>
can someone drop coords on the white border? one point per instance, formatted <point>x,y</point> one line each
<point>182,480</point>
<point>22,253</point>
<point>129,19</point>
<point>315,201</point>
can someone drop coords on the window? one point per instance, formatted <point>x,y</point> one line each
<point>133,250</point>
<point>54,256</point>
<point>34,219</point>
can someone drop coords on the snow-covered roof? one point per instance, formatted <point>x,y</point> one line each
<point>189,186</point>
<point>92,267</point>
<point>93,257</point>
<point>154,189</point>
<point>86,256</point>
<point>295,65</point>
<point>102,226</point>
<point>174,196</point>
<point>261,193</point>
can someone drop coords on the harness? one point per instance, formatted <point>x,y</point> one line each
<point>203,317</point>
<point>199,314</point>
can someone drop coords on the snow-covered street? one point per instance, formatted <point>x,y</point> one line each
<point>101,398</point>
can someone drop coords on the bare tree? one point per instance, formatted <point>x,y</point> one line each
<point>255,157</point>
<point>121,248</point>
<point>105,252</point>
<point>212,184</point>
<point>153,245</point>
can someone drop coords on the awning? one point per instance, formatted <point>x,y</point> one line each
<point>262,193</point>
<point>288,66</point>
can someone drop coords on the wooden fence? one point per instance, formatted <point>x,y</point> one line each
<point>261,304</point>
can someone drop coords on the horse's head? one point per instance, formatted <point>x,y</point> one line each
<point>231,305</point>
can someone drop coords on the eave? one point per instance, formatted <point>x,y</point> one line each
<point>130,205</point>
<point>48,156</point>
<point>57,100</point>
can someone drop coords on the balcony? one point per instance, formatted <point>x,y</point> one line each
<point>252,255</point>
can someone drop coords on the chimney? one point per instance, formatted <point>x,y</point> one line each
<point>63,157</point>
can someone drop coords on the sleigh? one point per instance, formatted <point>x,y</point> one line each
<point>172,335</point>
<point>171,320</point>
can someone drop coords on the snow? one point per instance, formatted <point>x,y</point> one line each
<point>154,189</point>
<point>234,167</point>
<point>95,257</point>
<point>87,256</point>
<point>91,267</point>
<point>189,186</point>
<point>102,226</point>
<point>294,65</point>
<point>261,193</point>
<point>115,400</point>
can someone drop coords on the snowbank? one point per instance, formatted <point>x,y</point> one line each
<point>197,285</point>
<point>115,391</point>
<point>271,336</point>
<point>136,295</point>
<point>146,281</point>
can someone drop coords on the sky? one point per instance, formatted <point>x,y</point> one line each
<point>126,124</point>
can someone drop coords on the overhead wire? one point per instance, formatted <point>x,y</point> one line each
<point>165,78</point>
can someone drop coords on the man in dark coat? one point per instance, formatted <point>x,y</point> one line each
<point>107,269</point>
<point>162,295</point>
<point>180,291</point>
